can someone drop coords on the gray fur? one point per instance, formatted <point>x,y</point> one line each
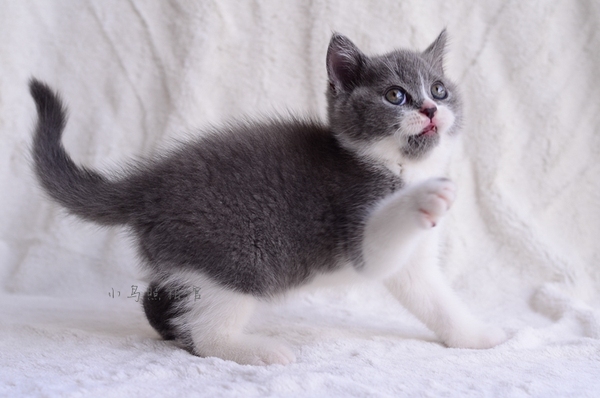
<point>357,85</point>
<point>261,207</point>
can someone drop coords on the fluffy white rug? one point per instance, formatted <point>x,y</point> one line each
<point>522,248</point>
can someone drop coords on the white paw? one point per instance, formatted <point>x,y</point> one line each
<point>484,336</point>
<point>432,199</point>
<point>250,350</point>
<point>270,352</point>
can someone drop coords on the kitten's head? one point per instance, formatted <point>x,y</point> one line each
<point>400,101</point>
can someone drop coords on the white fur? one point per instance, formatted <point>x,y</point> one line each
<point>422,289</point>
<point>398,223</point>
<point>344,275</point>
<point>435,165</point>
<point>217,320</point>
<point>400,246</point>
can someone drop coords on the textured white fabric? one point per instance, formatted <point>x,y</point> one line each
<point>522,247</point>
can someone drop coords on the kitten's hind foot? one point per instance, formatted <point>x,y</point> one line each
<point>249,350</point>
<point>482,337</point>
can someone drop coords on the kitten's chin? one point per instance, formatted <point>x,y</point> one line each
<point>419,145</point>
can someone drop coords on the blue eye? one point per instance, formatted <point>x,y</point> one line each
<point>438,91</point>
<point>395,96</point>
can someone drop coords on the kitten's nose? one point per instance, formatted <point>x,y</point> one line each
<point>428,111</point>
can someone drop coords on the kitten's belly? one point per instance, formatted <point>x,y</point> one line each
<point>345,275</point>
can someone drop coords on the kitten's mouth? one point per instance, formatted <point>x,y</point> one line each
<point>431,129</point>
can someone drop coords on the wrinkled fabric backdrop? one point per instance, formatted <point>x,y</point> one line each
<point>522,239</point>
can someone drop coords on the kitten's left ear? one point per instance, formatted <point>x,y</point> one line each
<point>344,63</point>
<point>434,54</point>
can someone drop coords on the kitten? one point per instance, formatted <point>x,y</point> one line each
<point>262,208</point>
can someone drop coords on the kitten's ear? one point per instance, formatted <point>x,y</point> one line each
<point>435,53</point>
<point>344,63</point>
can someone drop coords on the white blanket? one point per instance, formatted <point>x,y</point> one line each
<point>522,245</point>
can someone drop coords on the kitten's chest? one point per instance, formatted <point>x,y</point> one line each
<point>434,165</point>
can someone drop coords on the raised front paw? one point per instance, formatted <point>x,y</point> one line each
<point>433,199</point>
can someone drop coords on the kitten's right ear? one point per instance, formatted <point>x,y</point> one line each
<point>344,63</point>
<point>436,51</point>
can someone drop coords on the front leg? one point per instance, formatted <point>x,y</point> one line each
<point>423,290</point>
<point>398,224</point>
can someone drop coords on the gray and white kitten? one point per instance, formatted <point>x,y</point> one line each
<point>263,208</point>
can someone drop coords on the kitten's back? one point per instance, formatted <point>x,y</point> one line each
<point>260,206</point>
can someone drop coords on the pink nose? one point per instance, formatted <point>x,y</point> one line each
<point>429,112</point>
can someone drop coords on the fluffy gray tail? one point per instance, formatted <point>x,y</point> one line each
<point>83,192</point>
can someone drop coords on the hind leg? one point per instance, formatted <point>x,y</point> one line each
<point>161,306</point>
<point>211,323</point>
